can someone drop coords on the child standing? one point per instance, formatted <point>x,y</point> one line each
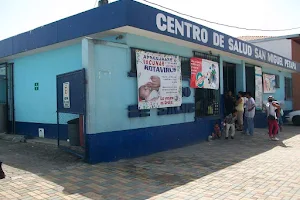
<point>230,124</point>
<point>279,114</point>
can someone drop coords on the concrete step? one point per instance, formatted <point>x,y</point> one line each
<point>13,137</point>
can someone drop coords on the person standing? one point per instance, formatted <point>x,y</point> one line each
<point>2,174</point>
<point>280,119</point>
<point>249,114</point>
<point>229,103</point>
<point>240,111</point>
<point>272,119</point>
<point>244,118</point>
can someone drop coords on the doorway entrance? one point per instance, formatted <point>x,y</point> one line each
<point>6,99</point>
<point>250,79</point>
<point>229,77</point>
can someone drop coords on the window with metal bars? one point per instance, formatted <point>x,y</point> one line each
<point>288,88</point>
<point>185,64</point>
<point>207,100</point>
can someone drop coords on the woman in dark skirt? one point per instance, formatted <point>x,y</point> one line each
<point>2,175</point>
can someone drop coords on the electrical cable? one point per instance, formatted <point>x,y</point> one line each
<point>211,22</point>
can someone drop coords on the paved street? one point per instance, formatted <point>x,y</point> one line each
<point>244,168</point>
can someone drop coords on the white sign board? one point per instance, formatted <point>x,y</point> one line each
<point>66,94</point>
<point>204,74</point>
<point>258,88</point>
<point>159,80</point>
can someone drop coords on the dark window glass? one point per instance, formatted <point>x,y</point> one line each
<point>288,88</point>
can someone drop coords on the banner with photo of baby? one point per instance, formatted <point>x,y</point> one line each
<point>159,80</point>
<point>204,74</point>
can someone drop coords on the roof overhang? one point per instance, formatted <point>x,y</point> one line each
<point>127,16</point>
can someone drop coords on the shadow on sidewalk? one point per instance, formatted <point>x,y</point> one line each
<point>139,178</point>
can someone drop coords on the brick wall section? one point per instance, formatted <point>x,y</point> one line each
<point>296,76</point>
<point>296,91</point>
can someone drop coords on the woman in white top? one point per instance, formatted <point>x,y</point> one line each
<point>272,118</point>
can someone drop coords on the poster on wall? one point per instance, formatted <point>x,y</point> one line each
<point>204,74</point>
<point>258,88</point>
<point>269,83</point>
<point>159,80</point>
<point>66,95</point>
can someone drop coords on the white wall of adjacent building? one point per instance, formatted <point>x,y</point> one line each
<point>282,47</point>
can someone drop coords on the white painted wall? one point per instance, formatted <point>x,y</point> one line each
<point>282,47</point>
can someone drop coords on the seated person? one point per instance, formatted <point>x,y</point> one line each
<point>230,124</point>
<point>217,132</point>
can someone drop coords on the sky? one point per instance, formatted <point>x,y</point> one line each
<point>18,16</point>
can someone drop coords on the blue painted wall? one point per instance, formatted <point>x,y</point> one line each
<point>38,108</point>
<point>110,74</point>
<point>116,91</point>
<point>115,145</point>
<point>116,136</point>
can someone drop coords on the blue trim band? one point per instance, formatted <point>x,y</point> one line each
<point>113,146</point>
<point>50,130</point>
<point>97,20</point>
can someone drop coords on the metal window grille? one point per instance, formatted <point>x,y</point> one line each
<point>207,101</point>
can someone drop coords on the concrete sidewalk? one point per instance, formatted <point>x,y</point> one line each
<point>244,168</point>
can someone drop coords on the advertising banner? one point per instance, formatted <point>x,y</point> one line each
<point>258,88</point>
<point>204,74</point>
<point>269,83</point>
<point>159,80</point>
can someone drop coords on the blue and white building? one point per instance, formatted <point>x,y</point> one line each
<point>103,41</point>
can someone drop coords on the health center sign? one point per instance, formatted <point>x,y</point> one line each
<point>159,80</point>
<point>204,74</point>
<point>183,29</point>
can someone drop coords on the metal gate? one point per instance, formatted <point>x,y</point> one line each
<point>71,112</point>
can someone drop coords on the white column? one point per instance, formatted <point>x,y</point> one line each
<point>221,76</point>
<point>88,64</point>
